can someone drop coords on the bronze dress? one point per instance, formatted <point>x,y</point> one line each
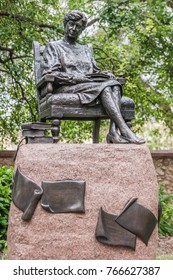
<point>67,61</point>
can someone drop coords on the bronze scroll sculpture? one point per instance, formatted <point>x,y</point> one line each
<point>134,220</point>
<point>25,194</point>
<point>63,196</point>
<point>138,220</point>
<point>111,233</point>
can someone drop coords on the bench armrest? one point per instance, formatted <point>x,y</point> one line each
<point>45,85</point>
<point>44,80</point>
<point>121,80</point>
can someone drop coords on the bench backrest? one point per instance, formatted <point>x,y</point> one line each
<point>38,56</point>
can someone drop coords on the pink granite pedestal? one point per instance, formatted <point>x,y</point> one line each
<point>113,175</point>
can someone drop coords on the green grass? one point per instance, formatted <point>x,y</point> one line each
<point>164,258</point>
<point>3,257</point>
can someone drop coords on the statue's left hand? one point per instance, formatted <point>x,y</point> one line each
<point>108,73</point>
<point>80,79</point>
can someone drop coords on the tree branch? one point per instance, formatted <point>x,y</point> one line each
<point>16,81</point>
<point>5,71</point>
<point>91,22</point>
<point>6,49</point>
<point>26,19</point>
<point>13,57</point>
<point>170,4</point>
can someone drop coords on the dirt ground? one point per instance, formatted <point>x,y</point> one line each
<point>165,246</point>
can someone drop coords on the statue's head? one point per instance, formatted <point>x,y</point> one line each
<point>76,16</point>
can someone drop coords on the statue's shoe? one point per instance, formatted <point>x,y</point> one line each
<point>115,139</point>
<point>134,140</point>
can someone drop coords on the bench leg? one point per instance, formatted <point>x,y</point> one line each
<point>55,130</point>
<point>96,130</point>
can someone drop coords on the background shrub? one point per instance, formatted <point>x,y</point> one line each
<point>6,174</point>
<point>166,222</point>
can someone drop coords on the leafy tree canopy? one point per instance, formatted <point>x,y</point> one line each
<point>131,38</point>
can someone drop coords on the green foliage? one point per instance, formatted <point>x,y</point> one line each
<point>157,136</point>
<point>166,222</point>
<point>76,131</point>
<point>131,38</point>
<point>164,258</point>
<point>140,36</point>
<point>5,199</point>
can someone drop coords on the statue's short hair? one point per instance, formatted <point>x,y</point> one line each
<point>76,15</point>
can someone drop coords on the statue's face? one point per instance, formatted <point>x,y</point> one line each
<point>73,28</point>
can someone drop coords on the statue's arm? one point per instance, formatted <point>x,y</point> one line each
<point>52,65</point>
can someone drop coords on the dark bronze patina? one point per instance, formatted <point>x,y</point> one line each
<point>25,194</point>
<point>134,220</point>
<point>36,132</point>
<point>63,196</point>
<point>39,139</point>
<point>111,233</point>
<point>137,219</point>
<point>56,196</point>
<point>159,211</point>
<point>71,86</point>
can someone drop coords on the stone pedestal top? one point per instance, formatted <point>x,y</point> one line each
<point>113,175</point>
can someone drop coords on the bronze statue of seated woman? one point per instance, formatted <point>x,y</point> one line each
<point>74,67</point>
